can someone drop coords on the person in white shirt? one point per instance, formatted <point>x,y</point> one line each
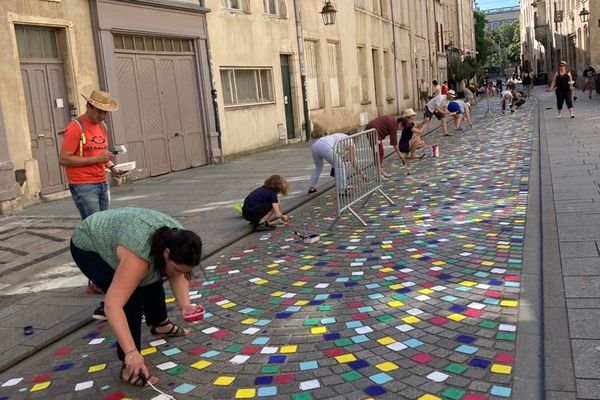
<point>437,106</point>
<point>507,97</point>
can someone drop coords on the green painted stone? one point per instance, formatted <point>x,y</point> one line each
<point>256,313</point>
<point>351,376</point>
<point>234,348</point>
<point>311,322</point>
<point>386,318</point>
<point>343,342</point>
<point>453,393</point>
<point>302,396</point>
<point>455,368</point>
<point>399,297</point>
<point>269,369</point>
<point>176,371</point>
<point>276,301</point>
<point>506,336</point>
<point>488,324</point>
<point>324,308</point>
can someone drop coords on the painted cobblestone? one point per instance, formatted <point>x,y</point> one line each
<point>420,304</point>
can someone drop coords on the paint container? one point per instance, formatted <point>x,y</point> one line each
<point>313,238</point>
<point>435,150</point>
<point>28,330</point>
<point>195,316</point>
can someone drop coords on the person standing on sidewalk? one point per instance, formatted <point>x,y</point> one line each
<point>589,73</point>
<point>127,252</point>
<point>563,80</point>
<point>84,155</point>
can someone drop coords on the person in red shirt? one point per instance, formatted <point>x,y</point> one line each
<point>445,87</point>
<point>386,126</point>
<point>85,156</point>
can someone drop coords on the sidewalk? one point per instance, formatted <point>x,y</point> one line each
<point>570,152</point>
<point>42,287</point>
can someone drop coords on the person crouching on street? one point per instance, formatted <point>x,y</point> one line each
<point>127,252</point>
<point>410,139</point>
<point>261,206</point>
<point>459,109</point>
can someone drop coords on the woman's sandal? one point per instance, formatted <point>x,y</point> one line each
<point>175,331</point>
<point>137,381</point>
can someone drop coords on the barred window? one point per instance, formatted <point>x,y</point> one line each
<point>247,86</point>
<point>234,4</point>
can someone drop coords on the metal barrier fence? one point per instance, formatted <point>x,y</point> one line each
<point>357,171</point>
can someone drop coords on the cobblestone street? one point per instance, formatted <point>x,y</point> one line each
<point>423,303</point>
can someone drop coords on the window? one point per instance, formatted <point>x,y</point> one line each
<point>152,44</point>
<point>405,80</point>
<point>270,7</point>
<point>234,4</point>
<point>313,84</point>
<point>334,73</point>
<point>35,42</point>
<point>245,86</point>
<point>363,71</point>
<point>388,64</point>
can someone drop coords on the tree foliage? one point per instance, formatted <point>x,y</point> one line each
<point>506,45</point>
<point>463,69</point>
<point>481,40</point>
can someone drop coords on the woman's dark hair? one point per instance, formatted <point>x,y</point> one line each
<point>185,247</point>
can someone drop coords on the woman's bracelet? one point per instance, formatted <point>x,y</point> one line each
<point>129,352</point>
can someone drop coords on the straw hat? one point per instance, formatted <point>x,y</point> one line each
<point>102,101</point>
<point>451,93</point>
<point>409,112</point>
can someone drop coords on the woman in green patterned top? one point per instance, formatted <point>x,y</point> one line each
<point>126,252</point>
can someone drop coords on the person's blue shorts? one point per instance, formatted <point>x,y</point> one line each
<point>454,108</point>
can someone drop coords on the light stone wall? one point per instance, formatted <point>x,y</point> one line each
<point>250,38</point>
<point>72,18</point>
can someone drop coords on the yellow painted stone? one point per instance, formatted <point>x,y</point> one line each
<point>273,272</point>
<point>306,267</point>
<point>396,286</point>
<point>289,349</point>
<point>229,305</point>
<point>509,303</point>
<point>201,364</point>
<point>169,300</point>
<point>440,262</point>
<point>395,303</point>
<point>488,263</point>
<point>468,245</point>
<point>456,317</point>
<point>318,330</point>
<point>277,294</point>
<point>429,233</point>
<point>308,257</point>
<point>429,397</point>
<point>426,291</point>
<point>273,265</point>
<point>386,246</point>
<point>467,283</point>
<point>148,350</point>
<point>344,358</point>
<point>501,369</point>
<point>327,242</point>
<point>301,303</point>
<point>411,320</point>
<point>386,340</point>
<point>299,283</point>
<point>224,380</point>
<point>96,368</point>
<point>387,269</point>
<point>249,321</point>
<point>503,246</point>
<point>245,393</point>
<point>417,256</point>
<point>261,281</point>
<point>387,366</point>
<point>40,386</point>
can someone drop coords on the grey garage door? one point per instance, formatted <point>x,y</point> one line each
<point>158,87</point>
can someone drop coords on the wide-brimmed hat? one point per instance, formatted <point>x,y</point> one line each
<point>102,101</point>
<point>409,112</point>
<point>451,93</point>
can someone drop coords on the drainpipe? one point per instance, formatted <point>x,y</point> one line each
<point>460,43</point>
<point>395,58</point>
<point>429,40</point>
<point>300,40</point>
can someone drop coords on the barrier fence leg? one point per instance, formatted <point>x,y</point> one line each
<point>357,216</point>
<point>386,196</point>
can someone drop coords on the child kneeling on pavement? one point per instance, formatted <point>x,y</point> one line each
<point>261,206</point>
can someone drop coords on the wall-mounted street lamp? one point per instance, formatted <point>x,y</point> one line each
<point>328,13</point>
<point>584,15</point>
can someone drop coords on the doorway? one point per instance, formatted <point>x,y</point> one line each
<point>46,100</point>
<point>287,95</point>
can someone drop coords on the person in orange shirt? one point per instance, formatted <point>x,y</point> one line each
<point>85,156</point>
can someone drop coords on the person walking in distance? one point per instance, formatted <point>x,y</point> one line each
<point>84,155</point>
<point>423,92</point>
<point>589,73</point>
<point>562,82</point>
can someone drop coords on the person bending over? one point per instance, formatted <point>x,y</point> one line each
<point>127,252</point>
